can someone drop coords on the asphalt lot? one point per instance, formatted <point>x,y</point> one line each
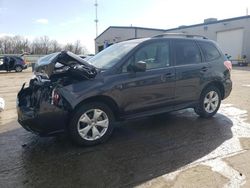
<point>170,150</point>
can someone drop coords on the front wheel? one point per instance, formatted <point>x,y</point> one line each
<point>91,124</point>
<point>18,68</point>
<point>209,103</point>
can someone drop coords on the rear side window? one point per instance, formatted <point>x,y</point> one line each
<point>209,50</point>
<point>186,52</point>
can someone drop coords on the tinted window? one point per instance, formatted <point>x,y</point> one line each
<point>209,50</point>
<point>155,55</point>
<point>186,52</point>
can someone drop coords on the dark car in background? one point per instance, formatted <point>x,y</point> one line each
<point>9,63</point>
<point>130,79</point>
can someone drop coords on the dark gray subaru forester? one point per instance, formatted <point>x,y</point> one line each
<point>130,79</point>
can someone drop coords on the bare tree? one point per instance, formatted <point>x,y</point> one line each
<point>36,46</point>
<point>45,44</point>
<point>78,47</point>
<point>55,46</point>
<point>69,47</point>
<point>1,46</point>
<point>7,44</point>
<point>40,45</point>
<point>20,45</point>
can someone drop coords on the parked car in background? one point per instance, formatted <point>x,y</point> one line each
<point>127,80</point>
<point>9,63</point>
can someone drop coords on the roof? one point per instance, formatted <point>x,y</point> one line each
<point>129,27</point>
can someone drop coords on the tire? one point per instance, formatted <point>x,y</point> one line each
<point>84,125</point>
<point>209,102</point>
<point>18,68</point>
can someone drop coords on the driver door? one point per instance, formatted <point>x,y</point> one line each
<point>152,89</point>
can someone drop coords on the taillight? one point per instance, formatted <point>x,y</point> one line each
<point>228,65</point>
<point>55,97</point>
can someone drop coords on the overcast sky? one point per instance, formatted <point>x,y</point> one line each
<point>67,21</point>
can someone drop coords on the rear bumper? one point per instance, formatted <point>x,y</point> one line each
<point>227,88</point>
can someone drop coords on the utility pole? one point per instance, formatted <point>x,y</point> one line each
<point>96,19</point>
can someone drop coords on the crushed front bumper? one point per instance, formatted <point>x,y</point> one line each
<point>45,120</point>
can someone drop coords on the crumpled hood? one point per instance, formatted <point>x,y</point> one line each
<point>46,64</point>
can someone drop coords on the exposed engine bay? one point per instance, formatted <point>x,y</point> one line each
<point>42,88</point>
<point>42,96</point>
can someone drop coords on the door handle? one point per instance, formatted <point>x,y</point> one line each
<point>204,69</point>
<point>167,76</point>
<point>120,86</point>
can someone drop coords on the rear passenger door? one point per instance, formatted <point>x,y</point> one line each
<point>190,69</point>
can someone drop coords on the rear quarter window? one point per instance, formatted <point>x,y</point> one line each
<point>209,50</point>
<point>186,52</point>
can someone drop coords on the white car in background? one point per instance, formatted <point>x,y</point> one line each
<point>2,104</point>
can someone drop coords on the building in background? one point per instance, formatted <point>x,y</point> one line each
<point>115,34</point>
<point>233,34</point>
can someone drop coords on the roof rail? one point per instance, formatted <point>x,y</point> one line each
<point>179,34</point>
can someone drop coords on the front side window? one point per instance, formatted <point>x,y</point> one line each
<point>186,52</point>
<point>155,55</point>
<point>209,50</point>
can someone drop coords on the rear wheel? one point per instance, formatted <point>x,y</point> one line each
<point>18,68</point>
<point>91,124</point>
<point>209,103</point>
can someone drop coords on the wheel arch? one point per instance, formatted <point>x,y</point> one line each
<point>217,84</point>
<point>102,99</point>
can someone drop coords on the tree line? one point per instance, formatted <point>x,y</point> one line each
<point>39,46</point>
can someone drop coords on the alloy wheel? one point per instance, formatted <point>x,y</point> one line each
<point>18,69</point>
<point>211,101</point>
<point>93,124</point>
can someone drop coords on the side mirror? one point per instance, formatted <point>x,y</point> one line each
<point>139,66</point>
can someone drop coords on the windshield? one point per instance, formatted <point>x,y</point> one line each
<point>112,55</point>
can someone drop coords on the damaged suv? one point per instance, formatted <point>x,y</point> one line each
<point>131,79</point>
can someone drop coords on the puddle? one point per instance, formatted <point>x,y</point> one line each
<point>231,147</point>
<point>239,129</point>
